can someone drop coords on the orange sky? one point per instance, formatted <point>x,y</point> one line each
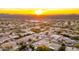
<point>43,11</point>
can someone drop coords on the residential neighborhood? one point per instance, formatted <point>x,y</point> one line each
<point>33,35</point>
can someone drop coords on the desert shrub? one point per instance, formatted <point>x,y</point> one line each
<point>17,30</point>
<point>76,45</point>
<point>32,47</point>
<point>36,30</point>
<point>28,34</point>
<point>31,41</point>
<point>22,46</point>
<point>59,32</point>
<point>62,48</point>
<point>43,48</point>
<point>75,38</point>
<point>66,35</point>
<point>25,47</point>
<point>77,32</point>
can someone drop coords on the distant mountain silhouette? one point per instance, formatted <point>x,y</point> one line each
<point>15,16</point>
<point>45,17</point>
<point>68,16</point>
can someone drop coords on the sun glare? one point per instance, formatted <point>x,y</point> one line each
<point>38,12</point>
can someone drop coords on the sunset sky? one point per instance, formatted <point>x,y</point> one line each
<point>39,7</point>
<point>40,11</point>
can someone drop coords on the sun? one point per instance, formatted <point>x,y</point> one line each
<point>38,12</point>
